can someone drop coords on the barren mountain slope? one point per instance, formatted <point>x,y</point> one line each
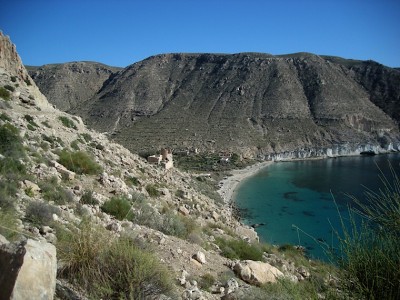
<point>250,102</point>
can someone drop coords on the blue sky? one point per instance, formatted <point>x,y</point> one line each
<point>119,33</point>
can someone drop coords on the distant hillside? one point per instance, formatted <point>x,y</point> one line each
<point>71,83</point>
<point>251,103</point>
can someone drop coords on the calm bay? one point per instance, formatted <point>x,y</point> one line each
<point>307,195</point>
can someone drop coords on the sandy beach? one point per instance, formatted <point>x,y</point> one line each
<point>229,184</point>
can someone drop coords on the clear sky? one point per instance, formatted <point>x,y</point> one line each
<point>119,33</point>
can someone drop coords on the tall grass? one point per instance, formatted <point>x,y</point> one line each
<point>109,267</point>
<point>368,253</point>
<point>80,162</point>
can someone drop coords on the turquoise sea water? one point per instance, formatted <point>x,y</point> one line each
<point>289,194</point>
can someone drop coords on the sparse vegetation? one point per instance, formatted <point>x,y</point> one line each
<point>52,191</point>
<point>55,141</point>
<point>206,281</point>
<point>46,123</point>
<point>88,198</point>
<point>131,180</point>
<point>27,81</point>
<point>4,93</point>
<point>40,213</point>
<point>119,207</point>
<point>9,87</point>
<point>239,249</point>
<point>8,225</point>
<point>13,78</point>
<point>112,269</point>
<point>86,136</point>
<point>67,122</point>
<point>10,141</point>
<point>152,190</point>
<point>12,167</point>
<point>209,162</point>
<point>5,117</point>
<point>74,145</point>
<point>96,145</point>
<point>80,162</point>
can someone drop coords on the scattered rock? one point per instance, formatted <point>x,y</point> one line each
<point>192,292</point>
<point>183,210</point>
<point>65,173</point>
<point>182,279</point>
<point>303,272</point>
<point>32,187</point>
<point>257,273</point>
<point>231,286</point>
<point>200,257</point>
<point>114,226</point>
<point>215,215</point>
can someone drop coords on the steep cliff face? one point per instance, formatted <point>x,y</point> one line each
<point>9,58</point>
<point>253,103</point>
<point>11,66</point>
<point>72,83</point>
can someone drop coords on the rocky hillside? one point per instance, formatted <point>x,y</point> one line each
<point>251,103</point>
<point>72,83</point>
<point>73,203</point>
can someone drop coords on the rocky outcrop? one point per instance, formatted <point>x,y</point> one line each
<point>14,71</point>
<point>28,270</point>
<point>347,149</point>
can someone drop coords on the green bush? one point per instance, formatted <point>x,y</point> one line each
<point>130,180</point>
<point>12,168</point>
<point>5,117</point>
<point>80,162</point>
<point>30,121</point>
<point>206,281</point>
<point>9,87</point>
<point>46,123</point>
<point>52,191</point>
<point>67,122</point>
<point>119,207</point>
<point>152,190</point>
<point>111,269</point>
<point>86,136</point>
<point>27,81</point>
<point>87,198</point>
<point>8,225</point>
<point>5,94</point>
<point>177,225</point>
<point>96,145</point>
<point>11,142</point>
<point>13,78</point>
<point>74,145</point>
<point>239,249</point>
<point>180,194</point>
<point>53,140</point>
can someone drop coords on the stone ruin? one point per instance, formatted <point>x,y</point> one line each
<point>164,159</point>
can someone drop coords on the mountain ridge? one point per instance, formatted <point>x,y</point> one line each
<point>277,103</point>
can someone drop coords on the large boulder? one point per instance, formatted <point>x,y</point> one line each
<point>256,272</point>
<point>28,270</point>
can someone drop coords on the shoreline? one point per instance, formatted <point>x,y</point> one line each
<point>227,186</point>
